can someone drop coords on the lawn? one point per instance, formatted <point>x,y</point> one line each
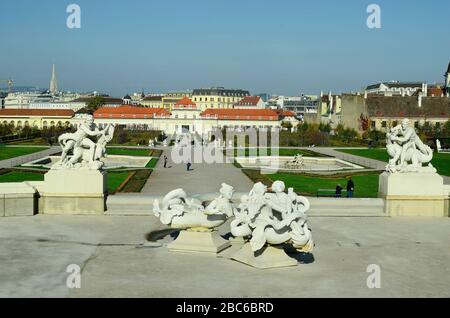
<point>114,178</point>
<point>441,161</point>
<point>30,142</point>
<point>377,153</point>
<point>366,185</point>
<point>20,176</point>
<point>128,152</point>
<point>12,152</point>
<point>152,163</point>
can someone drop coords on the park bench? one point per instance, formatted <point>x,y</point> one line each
<point>330,193</point>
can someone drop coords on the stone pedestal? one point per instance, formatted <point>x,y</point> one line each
<point>17,199</point>
<point>74,191</point>
<point>209,242</point>
<point>269,257</point>
<point>412,194</point>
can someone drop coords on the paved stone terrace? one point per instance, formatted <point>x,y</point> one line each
<point>204,177</point>
<point>413,255</point>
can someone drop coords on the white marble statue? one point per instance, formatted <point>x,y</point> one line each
<point>407,152</point>
<point>273,218</point>
<point>179,211</point>
<point>87,144</point>
<point>438,145</point>
<point>295,163</point>
<point>151,143</point>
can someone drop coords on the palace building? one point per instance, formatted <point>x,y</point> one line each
<point>218,97</point>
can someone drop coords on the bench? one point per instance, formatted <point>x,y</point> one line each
<point>330,193</point>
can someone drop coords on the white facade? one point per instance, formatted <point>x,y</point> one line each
<point>397,88</point>
<point>75,106</point>
<point>185,120</point>
<point>34,100</point>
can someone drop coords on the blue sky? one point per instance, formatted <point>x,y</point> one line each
<point>280,47</point>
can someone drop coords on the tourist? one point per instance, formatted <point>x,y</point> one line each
<point>165,161</point>
<point>188,166</point>
<point>350,188</point>
<point>338,191</point>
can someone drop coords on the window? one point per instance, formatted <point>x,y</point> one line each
<point>373,124</point>
<point>383,124</point>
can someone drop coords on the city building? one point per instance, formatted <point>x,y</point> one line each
<point>107,100</point>
<point>265,97</point>
<point>383,112</point>
<point>447,81</point>
<point>154,101</point>
<point>217,97</point>
<point>301,105</point>
<point>250,102</point>
<point>2,100</point>
<point>436,91</point>
<point>397,88</point>
<point>186,116</point>
<point>36,118</point>
<point>53,82</point>
<point>171,98</point>
<point>23,99</point>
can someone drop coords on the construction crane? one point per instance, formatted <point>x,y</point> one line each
<point>10,83</point>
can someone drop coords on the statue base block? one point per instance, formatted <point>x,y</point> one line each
<point>412,194</point>
<point>198,242</point>
<point>270,257</point>
<point>74,191</point>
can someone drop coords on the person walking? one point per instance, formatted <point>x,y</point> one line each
<point>338,191</point>
<point>165,161</point>
<point>350,188</point>
<point>188,166</point>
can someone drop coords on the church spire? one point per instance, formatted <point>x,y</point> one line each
<point>53,82</point>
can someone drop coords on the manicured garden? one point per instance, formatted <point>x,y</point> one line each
<point>115,179</point>
<point>115,184</point>
<point>129,152</point>
<point>281,152</point>
<point>366,185</point>
<point>441,161</point>
<point>152,163</point>
<point>12,152</point>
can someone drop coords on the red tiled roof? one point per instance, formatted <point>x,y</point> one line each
<point>241,114</point>
<point>126,111</point>
<point>249,101</point>
<point>185,102</point>
<point>37,112</point>
<point>287,113</point>
<point>436,91</point>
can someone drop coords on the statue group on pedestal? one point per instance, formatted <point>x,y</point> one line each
<point>262,218</point>
<point>407,152</point>
<point>295,163</point>
<point>87,145</point>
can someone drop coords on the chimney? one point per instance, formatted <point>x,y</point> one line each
<point>419,100</point>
